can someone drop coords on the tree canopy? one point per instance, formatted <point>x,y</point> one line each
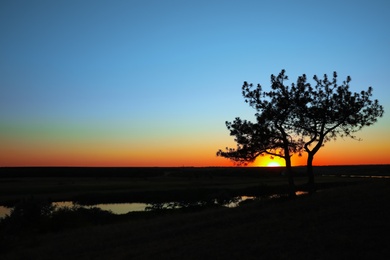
<point>328,111</point>
<point>300,117</point>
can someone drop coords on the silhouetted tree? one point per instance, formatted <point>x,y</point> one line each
<point>274,131</point>
<point>327,111</point>
<point>299,117</point>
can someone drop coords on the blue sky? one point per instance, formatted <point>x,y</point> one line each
<point>166,75</point>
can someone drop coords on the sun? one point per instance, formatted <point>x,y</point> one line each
<point>273,164</point>
<point>264,161</point>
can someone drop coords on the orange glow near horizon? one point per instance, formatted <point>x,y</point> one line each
<point>177,152</point>
<point>177,158</point>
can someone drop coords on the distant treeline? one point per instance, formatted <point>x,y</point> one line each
<point>135,172</point>
<point>192,172</point>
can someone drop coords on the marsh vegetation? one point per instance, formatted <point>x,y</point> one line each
<point>348,218</point>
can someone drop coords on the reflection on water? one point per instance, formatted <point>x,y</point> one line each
<point>116,208</point>
<point>358,176</point>
<point>367,176</point>
<point>63,204</point>
<point>124,208</point>
<point>4,211</point>
<point>278,196</point>
<point>235,202</point>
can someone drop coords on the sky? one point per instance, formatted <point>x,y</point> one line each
<point>151,82</point>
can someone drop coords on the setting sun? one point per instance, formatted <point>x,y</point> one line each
<point>273,164</point>
<point>267,161</point>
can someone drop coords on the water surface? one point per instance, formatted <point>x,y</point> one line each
<point>124,208</point>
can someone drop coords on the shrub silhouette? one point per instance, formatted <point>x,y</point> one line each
<point>39,216</point>
<point>29,215</point>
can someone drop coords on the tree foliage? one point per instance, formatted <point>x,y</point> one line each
<point>328,110</point>
<point>273,131</point>
<point>332,110</point>
<point>300,117</point>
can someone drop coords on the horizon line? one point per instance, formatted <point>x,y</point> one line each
<point>231,166</point>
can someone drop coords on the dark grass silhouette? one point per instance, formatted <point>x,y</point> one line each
<point>340,223</point>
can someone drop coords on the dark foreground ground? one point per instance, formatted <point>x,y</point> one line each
<point>158,184</point>
<point>348,222</point>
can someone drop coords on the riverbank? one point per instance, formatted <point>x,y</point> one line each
<point>338,223</point>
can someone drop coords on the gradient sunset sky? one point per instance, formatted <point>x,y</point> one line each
<point>152,82</point>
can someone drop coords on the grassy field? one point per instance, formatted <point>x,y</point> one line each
<point>348,219</point>
<point>145,184</point>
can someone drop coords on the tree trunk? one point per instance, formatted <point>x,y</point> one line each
<point>310,174</point>
<point>290,177</point>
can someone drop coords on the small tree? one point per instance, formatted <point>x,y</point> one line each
<point>327,111</point>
